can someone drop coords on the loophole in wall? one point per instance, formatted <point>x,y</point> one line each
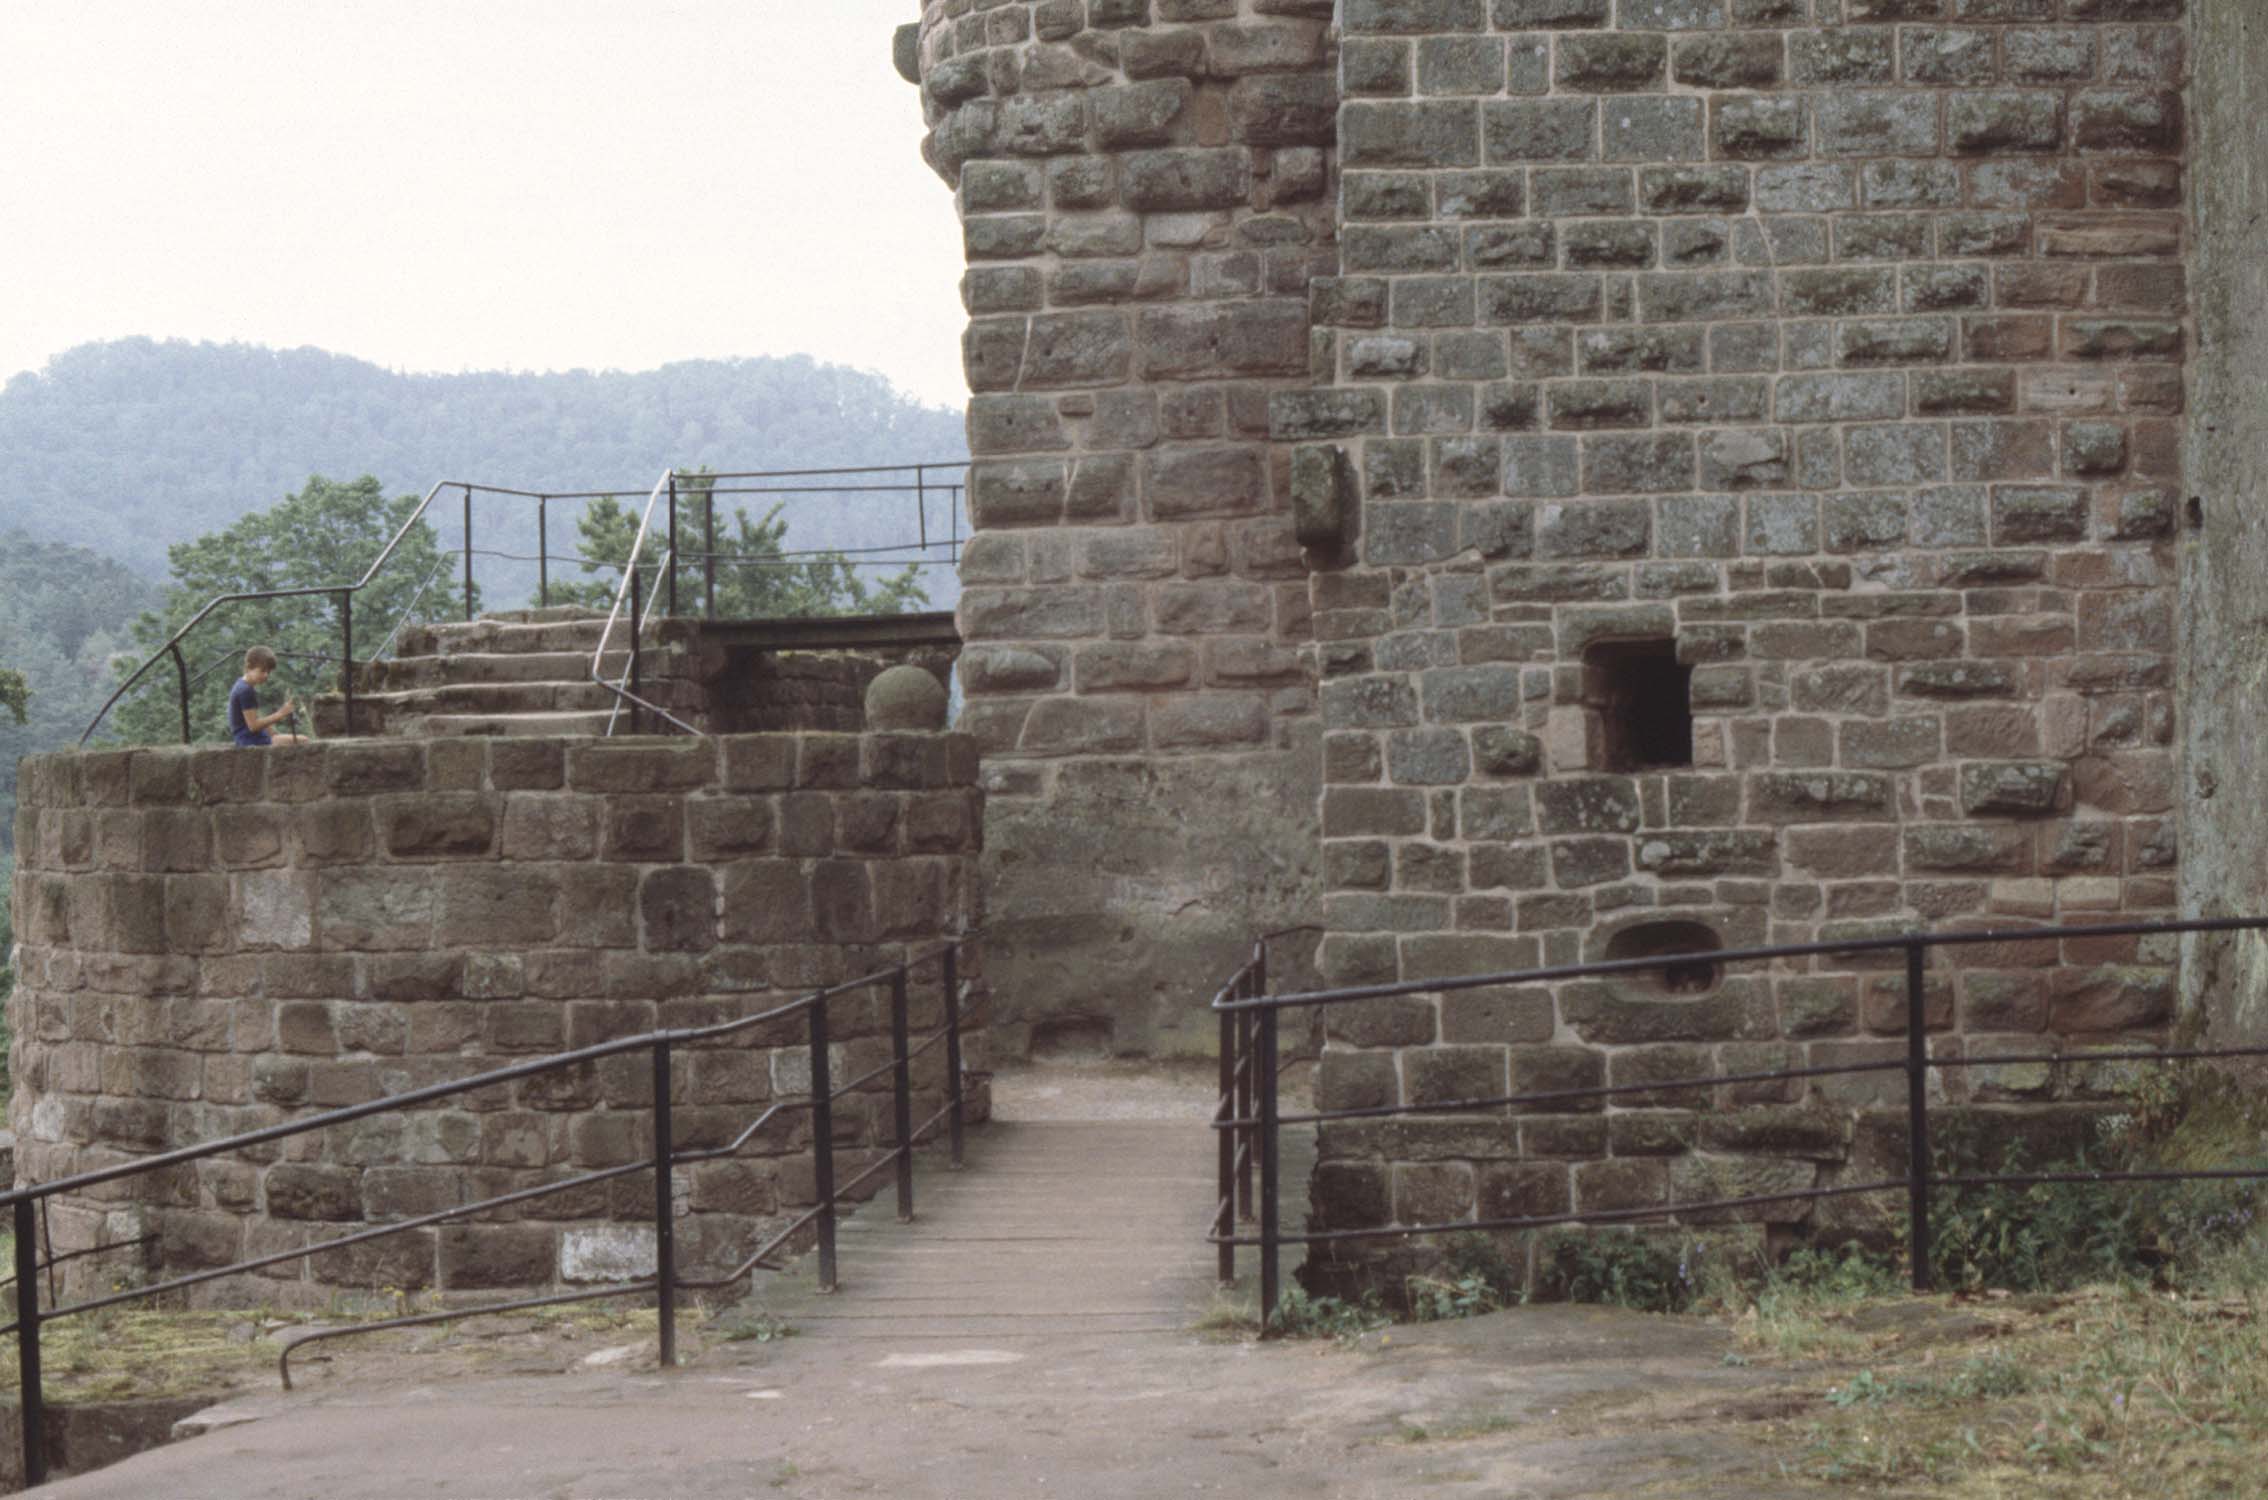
<point>1693,976</point>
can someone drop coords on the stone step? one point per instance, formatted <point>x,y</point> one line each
<point>550,614</point>
<point>558,707</point>
<point>507,636</point>
<point>458,668</point>
<point>476,697</point>
<point>444,726</point>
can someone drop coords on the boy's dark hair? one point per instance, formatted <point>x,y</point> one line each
<point>259,656</point>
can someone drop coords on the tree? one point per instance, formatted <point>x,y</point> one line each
<point>756,578</point>
<point>327,534</point>
<point>63,613</point>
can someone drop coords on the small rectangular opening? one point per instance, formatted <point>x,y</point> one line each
<point>1643,696</point>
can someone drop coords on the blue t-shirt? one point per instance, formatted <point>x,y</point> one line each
<point>243,703</point>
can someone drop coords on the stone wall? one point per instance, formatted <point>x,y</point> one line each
<point>2224,652</point>
<point>1812,367</point>
<point>1146,192</point>
<point>218,940</point>
<point>748,690</point>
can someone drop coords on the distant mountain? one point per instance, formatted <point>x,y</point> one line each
<point>124,447</point>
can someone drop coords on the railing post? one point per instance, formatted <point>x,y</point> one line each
<point>27,1346</point>
<point>346,655</point>
<point>181,674</point>
<point>665,1206</point>
<point>823,1143</point>
<point>543,551</point>
<point>673,543</point>
<point>632,678</point>
<point>1264,1063</point>
<point>953,1047</point>
<point>1224,1222</point>
<point>1917,1118</point>
<point>1247,1097</point>
<point>468,553</point>
<point>709,556</point>
<point>901,1092</point>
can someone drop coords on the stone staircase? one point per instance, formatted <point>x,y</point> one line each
<point>516,672</point>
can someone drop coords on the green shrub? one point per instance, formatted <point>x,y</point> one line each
<point>1475,1277</point>
<point>2055,1235</point>
<point>1621,1268</point>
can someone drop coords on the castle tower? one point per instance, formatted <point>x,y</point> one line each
<point>1712,462</point>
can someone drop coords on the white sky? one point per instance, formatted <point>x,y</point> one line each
<point>442,185</point>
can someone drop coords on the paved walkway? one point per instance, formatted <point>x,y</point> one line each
<point>1030,1334</point>
<point>1054,1230</point>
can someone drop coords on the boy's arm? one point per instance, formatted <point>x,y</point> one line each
<point>270,721</point>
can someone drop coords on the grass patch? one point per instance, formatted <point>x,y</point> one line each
<point>130,1353</point>
<point>2115,1393</point>
<point>2116,1335</point>
<point>1457,1429</point>
<point>135,1353</point>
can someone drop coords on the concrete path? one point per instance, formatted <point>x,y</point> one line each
<point>1030,1334</point>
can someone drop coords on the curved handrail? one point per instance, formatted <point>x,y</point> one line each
<point>622,595</point>
<point>306,591</point>
<point>624,694</point>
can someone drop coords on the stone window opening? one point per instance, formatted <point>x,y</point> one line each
<point>1692,977</point>
<point>1642,698</point>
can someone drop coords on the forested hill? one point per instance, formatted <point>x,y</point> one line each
<point>127,446</point>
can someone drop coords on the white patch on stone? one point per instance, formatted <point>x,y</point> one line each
<point>614,1356</point>
<point>214,1418</point>
<point>949,1357</point>
<point>765,1395</point>
<point>279,909</point>
<point>791,1068</point>
<point>613,1252</point>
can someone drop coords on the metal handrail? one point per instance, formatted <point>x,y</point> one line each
<point>625,594</point>
<point>1248,1120</point>
<point>626,691</point>
<point>308,591</point>
<point>25,1202</point>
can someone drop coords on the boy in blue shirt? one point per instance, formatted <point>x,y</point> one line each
<point>246,724</point>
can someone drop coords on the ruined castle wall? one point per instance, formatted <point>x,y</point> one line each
<point>2224,647</point>
<point>1836,346</point>
<point>214,941</point>
<point>1145,192</point>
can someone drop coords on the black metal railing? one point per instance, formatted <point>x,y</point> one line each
<point>668,496</point>
<point>944,481</point>
<point>27,1203</point>
<point>1249,1118</point>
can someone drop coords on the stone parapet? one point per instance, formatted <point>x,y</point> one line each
<point>213,941</point>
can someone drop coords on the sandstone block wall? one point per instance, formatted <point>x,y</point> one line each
<point>1819,365</point>
<point>749,691</point>
<point>1146,189</point>
<point>218,940</point>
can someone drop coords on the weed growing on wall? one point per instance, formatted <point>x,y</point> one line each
<point>2050,1236</point>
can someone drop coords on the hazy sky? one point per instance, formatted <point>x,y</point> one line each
<point>475,184</point>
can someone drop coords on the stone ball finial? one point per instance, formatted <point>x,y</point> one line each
<point>905,698</point>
